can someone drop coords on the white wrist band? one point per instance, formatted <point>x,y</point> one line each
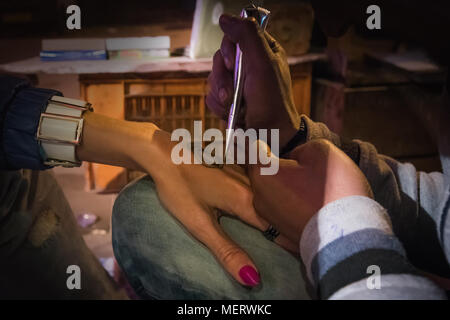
<point>59,131</point>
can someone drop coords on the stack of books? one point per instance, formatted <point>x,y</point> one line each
<point>138,47</point>
<point>73,49</point>
<point>101,49</point>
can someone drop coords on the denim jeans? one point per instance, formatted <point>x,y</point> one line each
<point>40,239</point>
<point>163,261</point>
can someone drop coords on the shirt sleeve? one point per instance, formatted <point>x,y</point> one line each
<point>350,252</point>
<point>417,202</point>
<point>20,108</point>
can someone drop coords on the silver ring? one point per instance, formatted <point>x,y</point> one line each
<point>271,233</point>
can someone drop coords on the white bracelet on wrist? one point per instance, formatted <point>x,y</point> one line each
<point>60,130</point>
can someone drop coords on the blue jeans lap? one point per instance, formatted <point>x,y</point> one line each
<point>162,260</point>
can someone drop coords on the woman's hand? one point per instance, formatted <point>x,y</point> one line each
<point>315,174</point>
<point>194,194</point>
<point>197,196</point>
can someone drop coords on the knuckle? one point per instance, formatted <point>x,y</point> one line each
<point>245,197</point>
<point>217,56</point>
<point>225,46</point>
<point>319,144</point>
<point>274,61</point>
<point>316,150</point>
<point>250,26</point>
<point>227,253</point>
<point>280,50</point>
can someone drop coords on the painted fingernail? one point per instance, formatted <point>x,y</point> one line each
<point>249,275</point>
<point>223,95</point>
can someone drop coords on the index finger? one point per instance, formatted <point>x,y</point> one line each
<point>228,50</point>
<point>249,36</point>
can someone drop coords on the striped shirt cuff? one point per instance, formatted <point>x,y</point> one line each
<point>347,238</point>
<point>392,287</point>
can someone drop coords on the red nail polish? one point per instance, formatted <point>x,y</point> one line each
<point>249,275</point>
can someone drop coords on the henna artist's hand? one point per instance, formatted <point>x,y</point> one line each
<point>267,91</point>
<point>315,174</point>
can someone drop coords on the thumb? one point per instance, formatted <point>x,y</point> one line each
<point>201,222</point>
<point>248,35</point>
